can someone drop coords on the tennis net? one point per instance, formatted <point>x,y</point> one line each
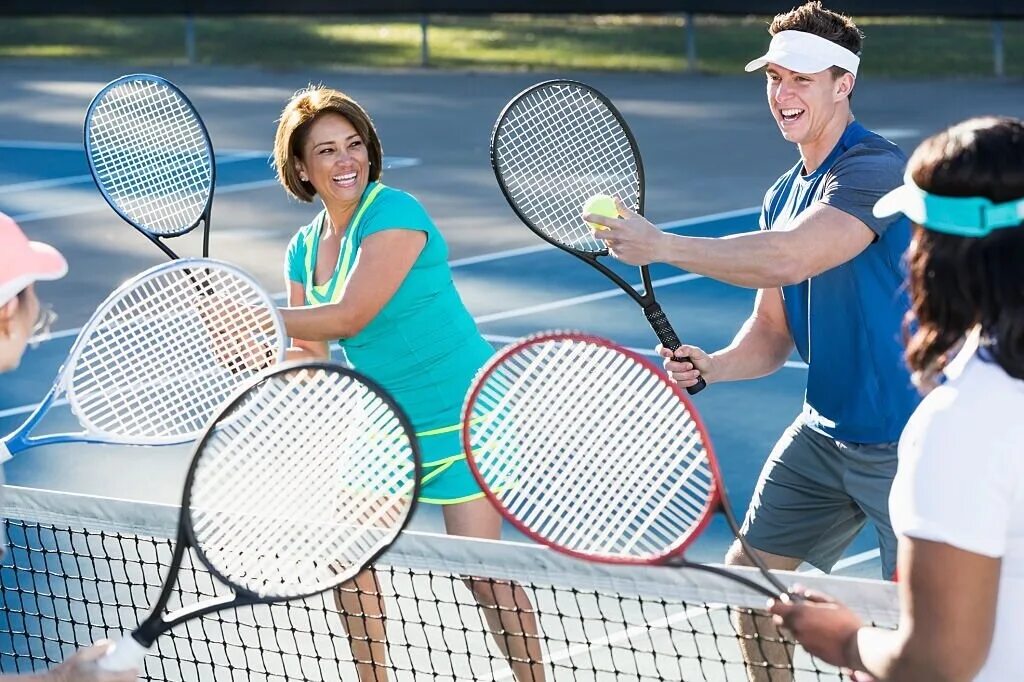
<point>82,568</point>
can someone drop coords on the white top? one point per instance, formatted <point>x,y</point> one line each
<point>961,482</point>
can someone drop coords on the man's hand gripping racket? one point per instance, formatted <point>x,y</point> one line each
<point>303,479</point>
<point>556,146</point>
<point>589,449</point>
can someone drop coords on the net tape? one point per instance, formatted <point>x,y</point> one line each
<point>85,568</point>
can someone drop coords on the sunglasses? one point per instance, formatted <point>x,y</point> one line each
<point>44,322</point>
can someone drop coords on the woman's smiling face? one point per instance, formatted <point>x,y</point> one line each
<point>335,159</point>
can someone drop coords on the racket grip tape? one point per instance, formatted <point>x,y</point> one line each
<point>125,654</point>
<point>667,335</point>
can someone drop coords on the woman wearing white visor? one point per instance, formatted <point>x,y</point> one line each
<point>958,500</point>
<point>22,264</point>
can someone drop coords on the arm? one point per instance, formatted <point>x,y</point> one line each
<point>301,349</point>
<point>79,667</point>
<point>947,615</point>
<point>820,239</point>
<point>760,347</point>
<point>383,261</point>
<point>948,612</point>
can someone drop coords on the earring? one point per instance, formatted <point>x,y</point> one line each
<point>303,178</point>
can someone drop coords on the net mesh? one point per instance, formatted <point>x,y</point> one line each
<point>82,568</point>
<point>309,475</point>
<point>556,147</point>
<point>167,349</point>
<point>591,449</point>
<point>151,156</point>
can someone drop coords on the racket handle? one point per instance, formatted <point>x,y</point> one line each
<point>125,654</point>
<point>667,335</point>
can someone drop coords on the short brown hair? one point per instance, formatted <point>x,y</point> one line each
<point>812,18</point>
<point>305,107</point>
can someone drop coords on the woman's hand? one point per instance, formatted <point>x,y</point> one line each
<point>83,666</point>
<point>823,626</point>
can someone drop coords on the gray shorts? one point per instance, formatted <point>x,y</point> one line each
<point>815,494</point>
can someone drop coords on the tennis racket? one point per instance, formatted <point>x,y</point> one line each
<point>302,480</point>
<point>160,355</point>
<point>555,145</point>
<point>151,158</point>
<point>589,449</point>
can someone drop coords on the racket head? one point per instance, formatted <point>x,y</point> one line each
<point>554,146</point>
<point>302,480</point>
<point>150,155</point>
<point>149,367</point>
<point>588,448</point>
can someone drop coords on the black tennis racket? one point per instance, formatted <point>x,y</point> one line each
<point>589,449</point>
<point>160,355</point>
<point>151,158</point>
<point>556,145</point>
<point>299,483</point>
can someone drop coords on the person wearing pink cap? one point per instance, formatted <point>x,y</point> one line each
<point>22,316</point>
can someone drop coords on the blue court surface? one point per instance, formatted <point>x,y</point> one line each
<point>512,292</point>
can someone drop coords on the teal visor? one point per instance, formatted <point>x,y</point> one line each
<point>963,216</point>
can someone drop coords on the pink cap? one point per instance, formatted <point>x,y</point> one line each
<point>23,262</point>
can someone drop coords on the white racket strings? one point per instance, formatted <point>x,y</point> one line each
<point>590,449</point>
<point>557,147</point>
<point>168,349</point>
<point>308,476</point>
<point>151,156</point>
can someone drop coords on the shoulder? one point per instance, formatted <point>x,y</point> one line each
<point>975,411</point>
<point>397,200</point>
<point>297,244</point>
<point>395,208</point>
<point>872,154</point>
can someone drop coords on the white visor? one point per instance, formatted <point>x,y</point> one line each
<point>805,53</point>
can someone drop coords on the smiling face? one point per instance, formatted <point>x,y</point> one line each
<point>806,105</point>
<point>335,160</point>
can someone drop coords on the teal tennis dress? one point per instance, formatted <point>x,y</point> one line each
<point>423,346</point>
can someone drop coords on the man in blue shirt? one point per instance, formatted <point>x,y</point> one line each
<point>830,281</point>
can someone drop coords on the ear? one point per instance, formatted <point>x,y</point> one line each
<point>300,168</point>
<point>7,312</point>
<point>844,85</point>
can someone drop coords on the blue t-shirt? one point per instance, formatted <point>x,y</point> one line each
<point>846,322</point>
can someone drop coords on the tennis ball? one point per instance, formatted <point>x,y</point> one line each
<point>600,204</point>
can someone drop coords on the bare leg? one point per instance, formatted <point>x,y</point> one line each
<point>768,658</point>
<point>506,606</point>
<point>362,609</point>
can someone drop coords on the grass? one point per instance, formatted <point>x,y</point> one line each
<point>916,47</point>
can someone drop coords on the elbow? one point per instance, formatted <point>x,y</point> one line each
<point>919,663</point>
<point>788,269</point>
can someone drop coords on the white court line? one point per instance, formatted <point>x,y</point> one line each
<point>849,561</point>
<point>82,179</point>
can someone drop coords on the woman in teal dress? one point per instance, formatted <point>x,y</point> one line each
<point>371,271</point>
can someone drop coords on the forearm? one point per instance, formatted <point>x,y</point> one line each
<point>319,323</point>
<point>755,352</point>
<point>890,655</point>
<point>758,260</point>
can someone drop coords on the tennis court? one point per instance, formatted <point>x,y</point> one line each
<point>710,150</point>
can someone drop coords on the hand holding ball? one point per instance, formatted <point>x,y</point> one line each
<point>603,205</point>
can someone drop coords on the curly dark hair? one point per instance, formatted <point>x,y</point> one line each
<point>959,283</point>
